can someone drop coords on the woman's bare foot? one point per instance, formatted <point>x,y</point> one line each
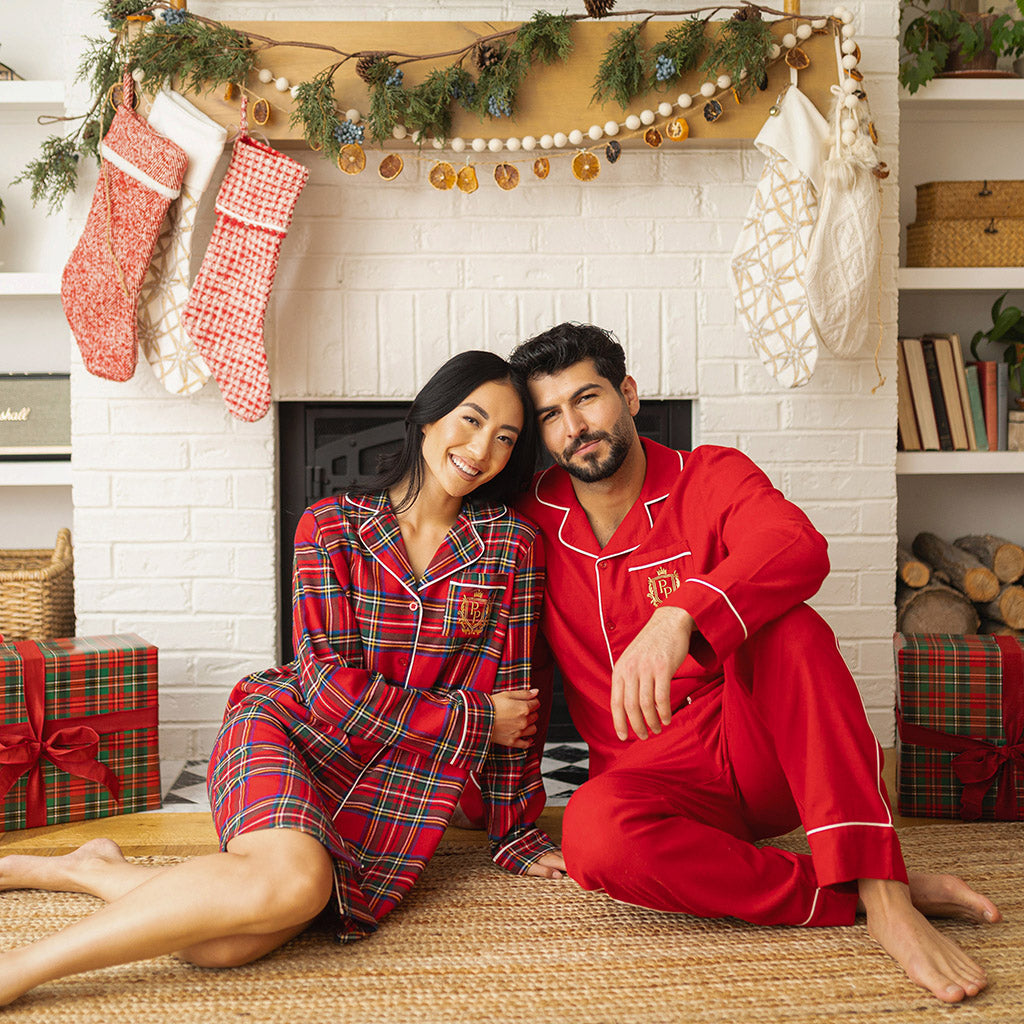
<point>68,873</point>
<point>929,958</point>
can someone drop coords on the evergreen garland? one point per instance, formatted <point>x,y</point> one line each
<point>202,54</point>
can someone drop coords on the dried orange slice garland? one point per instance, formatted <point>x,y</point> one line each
<point>586,166</point>
<point>466,180</point>
<point>506,176</point>
<point>391,167</point>
<point>442,176</point>
<point>542,167</point>
<point>351,158</point>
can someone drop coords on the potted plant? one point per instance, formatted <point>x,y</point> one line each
<point>954,39</point>
<point>1007,329</point>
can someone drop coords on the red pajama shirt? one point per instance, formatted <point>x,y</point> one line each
<point>768,729</point>
<point>367,739</point>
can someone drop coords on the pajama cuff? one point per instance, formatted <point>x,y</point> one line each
<point>845,853</point>
<point>474,743</point>
<point>518,850</point>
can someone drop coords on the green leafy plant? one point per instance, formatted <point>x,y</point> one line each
<point>1007,329</point>
<point>932,36</point>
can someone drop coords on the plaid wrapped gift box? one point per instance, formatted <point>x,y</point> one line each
<point>960,719</point>
<point>78,729</point>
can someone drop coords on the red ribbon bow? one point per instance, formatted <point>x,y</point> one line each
<point>69,744</point>
<point>978,762</point>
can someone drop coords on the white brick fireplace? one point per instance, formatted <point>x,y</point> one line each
<point>175,521</point>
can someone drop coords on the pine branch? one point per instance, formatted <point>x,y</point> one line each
<point>201,55</point>
<point>741,46</point>
<point>53,175</point>
<point>316,111</point>
<point>620,75</point>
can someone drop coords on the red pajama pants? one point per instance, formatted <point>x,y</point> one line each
<point>781,741</point>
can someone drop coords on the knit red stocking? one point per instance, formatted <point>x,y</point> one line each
<point>225,311</point>
<point>140,174</point>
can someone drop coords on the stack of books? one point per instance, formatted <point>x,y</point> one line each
<point>945,404</point>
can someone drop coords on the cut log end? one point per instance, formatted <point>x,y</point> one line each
<point>935,609</point>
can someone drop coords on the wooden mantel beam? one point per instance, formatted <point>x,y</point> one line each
<point>556,97</point>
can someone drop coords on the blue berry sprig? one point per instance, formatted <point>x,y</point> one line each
<point>349,131</point>
<point>175,16</point>
<point>665,68</point>
<point>498,107</point>
<point>395,78</point>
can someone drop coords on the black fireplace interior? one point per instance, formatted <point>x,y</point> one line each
<point>326,447</point>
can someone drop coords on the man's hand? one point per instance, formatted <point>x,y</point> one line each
<point>642,677</point>
<point>515,712</point>
<point>551,865</point>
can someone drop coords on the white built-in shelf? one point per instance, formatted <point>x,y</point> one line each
<point>41,96</point>
<point>49,473</point>
<point>1002,98</point>
<point>960,279</point>
<point>29,284</point>
<point>955,463</point>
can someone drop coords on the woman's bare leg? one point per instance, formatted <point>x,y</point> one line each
<point>221,909</point>
<point>97,868</point>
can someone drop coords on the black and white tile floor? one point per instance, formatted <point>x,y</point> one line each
<point>564,767</point>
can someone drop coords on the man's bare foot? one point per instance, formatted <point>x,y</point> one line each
<point>58,874</point>
<point>929,958</point>
<point>948,896</point>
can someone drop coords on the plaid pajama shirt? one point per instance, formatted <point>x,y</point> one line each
<point>367,738</point>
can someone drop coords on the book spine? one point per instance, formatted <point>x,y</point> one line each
<point>1002,402</point>
<point>977,409</point>
<point>935,389</point>
<point>987,381</point>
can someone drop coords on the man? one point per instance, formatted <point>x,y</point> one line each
<point>715,703</point>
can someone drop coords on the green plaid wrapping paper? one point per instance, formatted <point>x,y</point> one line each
<point>968,692</point>
<point>106,684</point>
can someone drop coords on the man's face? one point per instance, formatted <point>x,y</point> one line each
<point>585,422</point>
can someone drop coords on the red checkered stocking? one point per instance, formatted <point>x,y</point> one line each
<point>140,174</point>
<point>225,310</point>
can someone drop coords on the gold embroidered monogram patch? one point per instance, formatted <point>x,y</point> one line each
<point>472,613</point>
<point>661,584</point>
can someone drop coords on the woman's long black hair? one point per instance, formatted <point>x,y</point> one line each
<point>446,390</point>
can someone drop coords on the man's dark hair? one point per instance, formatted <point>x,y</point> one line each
<point>446,390</point>
<point>564,346</point>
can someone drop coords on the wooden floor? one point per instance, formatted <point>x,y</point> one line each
<point>186,835</point>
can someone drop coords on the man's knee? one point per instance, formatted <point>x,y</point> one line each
<point>592,832</point>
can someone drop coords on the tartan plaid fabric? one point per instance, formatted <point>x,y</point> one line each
<point>224,314</point>
<point>87,677</point>
<point>953,685</point>
<point>367,739</point>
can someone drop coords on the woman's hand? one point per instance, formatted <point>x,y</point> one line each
<point>551,865</point>
<point>515,712</point>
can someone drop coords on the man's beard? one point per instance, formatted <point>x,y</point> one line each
<point>592,468</point>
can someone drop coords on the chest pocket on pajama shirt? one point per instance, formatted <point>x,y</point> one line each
<point>654,575</point>
<point>469,607</point>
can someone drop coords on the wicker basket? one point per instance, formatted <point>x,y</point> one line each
<point>958,200</point>
<point>37,592</point>
<point>983,242</point>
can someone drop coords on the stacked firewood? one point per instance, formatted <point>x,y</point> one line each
<point>969,586</point>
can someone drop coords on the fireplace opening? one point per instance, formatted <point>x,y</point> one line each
<point>327,447</point>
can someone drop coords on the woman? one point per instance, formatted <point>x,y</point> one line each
<point>415,609</point>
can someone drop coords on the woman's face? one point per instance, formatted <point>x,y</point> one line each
<point>472,443</point>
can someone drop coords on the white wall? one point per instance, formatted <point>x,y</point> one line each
<point>174,522</point>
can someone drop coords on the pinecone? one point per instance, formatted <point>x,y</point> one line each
<point>365,65</point>
<point>747,14</point>
<point>598,8</point>
<point>487,56</point>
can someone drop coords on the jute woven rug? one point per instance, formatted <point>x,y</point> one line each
<point>473,944</point>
